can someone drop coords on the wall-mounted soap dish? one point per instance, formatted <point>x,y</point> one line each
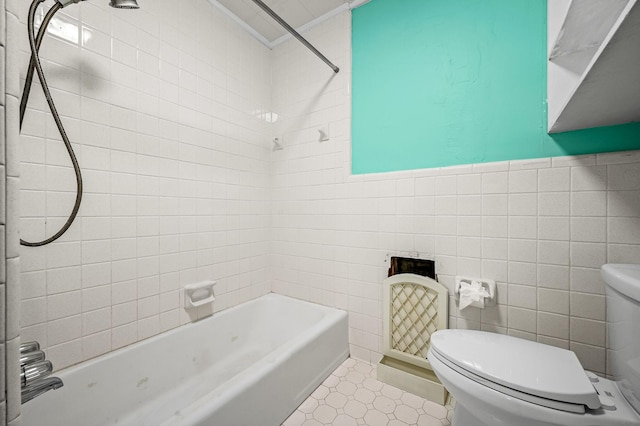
<point>198,294</point>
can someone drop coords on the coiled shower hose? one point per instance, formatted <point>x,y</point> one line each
<point>34,64</point>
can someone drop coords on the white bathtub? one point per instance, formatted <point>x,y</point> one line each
<point>249,365</point>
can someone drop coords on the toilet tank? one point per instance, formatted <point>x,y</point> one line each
<point>623,327</point>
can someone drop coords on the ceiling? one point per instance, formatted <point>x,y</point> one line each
<point>300,14</point>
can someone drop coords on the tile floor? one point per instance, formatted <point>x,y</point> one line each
<point>351,396</point>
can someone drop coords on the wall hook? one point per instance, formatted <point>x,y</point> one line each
<point>277,146</point>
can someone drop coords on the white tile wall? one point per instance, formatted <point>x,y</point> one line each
<point>3,220</point>
<point>10,403</point>
<point>541,228</point>
<point>165,106</point>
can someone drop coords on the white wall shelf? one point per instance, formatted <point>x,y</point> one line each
<point>593,77</point>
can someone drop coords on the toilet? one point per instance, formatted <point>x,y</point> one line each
<point>500,380</point>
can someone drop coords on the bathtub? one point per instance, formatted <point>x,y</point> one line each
<point>249,365</point>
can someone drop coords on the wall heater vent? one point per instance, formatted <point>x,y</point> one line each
<point>414,307</point>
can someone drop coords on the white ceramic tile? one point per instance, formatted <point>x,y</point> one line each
<point>499,166</point>
<point>446,205</point>
<point>574,160</point>
<point>96,344</point>
<point>498,271</point>
<point>148,327</point>
<point>446,225</point>
<point>469,226</point>
<point>588,306</point>
<point>553,325</point>
<point>523,227</point>
<point>587,280</point>
<point>522,319</point>
<point>64,330</point>
<point>523,181</point>
<point>554,228</point>
<point>495,315</point>
<point>469,205</point>
<point>591,357</point>
<point>96,298</point>
<point>553,276</point>
<point>64,305</point>
<point>554,204</point>
<point>624,177</point>
<point>124,313</point>
<point>554,179</point>
<point>522,250</point>
<point>620,157</point>
<point>495,226</point>
<point>469,184</point>
<point>523,204</point>
<point>622,253</point>
<point>494,248</point>
<point>624,230</point>
<point>96,274</point>
<point>552,341</point>
<point>593,178</point>
<point>522,273</point>
<point>32,284</point>
<point>495,183</point>
<point>33,311</point>
<point>588,331</point>
<point>495,204</point>
<point>554,301</point>
<point>589,229</point>
<point>590,255</point>
<point>535,163</point>
<point>594,203</point>
<point>522,296</point>
<point>446,185</point>
<point>553,252</point>
<point>425,186</point>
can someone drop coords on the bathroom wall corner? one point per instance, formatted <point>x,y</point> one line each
<point>10,400</point>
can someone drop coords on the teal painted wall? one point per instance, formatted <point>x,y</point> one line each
<point>447,82</point>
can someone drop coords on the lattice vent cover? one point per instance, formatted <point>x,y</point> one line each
<point>414,317</point>
<point>414,307</point>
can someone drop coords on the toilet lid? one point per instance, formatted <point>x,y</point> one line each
<point>532,368</point>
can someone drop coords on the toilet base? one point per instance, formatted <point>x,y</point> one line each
<point>463,417</point>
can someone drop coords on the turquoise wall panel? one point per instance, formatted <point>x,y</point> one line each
<point>447,82</point>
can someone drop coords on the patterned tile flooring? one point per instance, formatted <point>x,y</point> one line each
<point>351,396</point>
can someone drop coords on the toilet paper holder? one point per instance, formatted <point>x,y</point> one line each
<point>489,285</point>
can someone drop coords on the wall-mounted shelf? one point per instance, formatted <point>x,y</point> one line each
<point>593,70</point>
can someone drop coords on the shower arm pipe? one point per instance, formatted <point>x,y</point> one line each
<point>297,35</point>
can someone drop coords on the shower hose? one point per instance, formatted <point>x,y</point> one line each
<point>34,64</point>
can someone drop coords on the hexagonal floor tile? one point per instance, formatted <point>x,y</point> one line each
<point>352,396</point>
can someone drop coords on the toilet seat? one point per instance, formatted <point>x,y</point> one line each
<point>553,377</point>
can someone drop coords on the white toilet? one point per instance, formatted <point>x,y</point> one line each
<point>502,380</point>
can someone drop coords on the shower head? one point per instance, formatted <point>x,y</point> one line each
<point>124,4</point>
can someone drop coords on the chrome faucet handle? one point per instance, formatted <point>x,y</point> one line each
<point>29,347</point>
<point>36,371</point>
<point>28,358</point>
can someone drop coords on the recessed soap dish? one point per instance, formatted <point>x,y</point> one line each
<point>198,294</point>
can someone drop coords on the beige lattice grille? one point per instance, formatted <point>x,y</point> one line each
<point>414,317</point>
